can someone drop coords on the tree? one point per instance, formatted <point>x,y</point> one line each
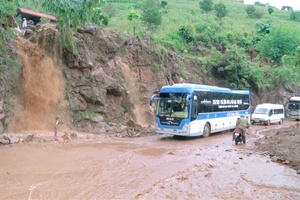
<point>71,13</point>
<point>7,7</point>
<point>263,27</point>
<point>109,10</point>
<point>164,4</point>
<point>282,40</point>
<point>151,13</point>
<point>250,10</point>
<point>270,10</point>
<point>134,17</point>
<point>295,16</point>
<point>292,60</point>
<point>253,13</point>
<point>231,67</point>
<point>206,6</point>
<point>221,11</point>
<point>186,33</point>
<point>98,17</point>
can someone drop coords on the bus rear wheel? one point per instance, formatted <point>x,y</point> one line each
<point>206,130</point>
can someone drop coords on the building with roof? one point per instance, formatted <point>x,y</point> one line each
<point>34,15</point>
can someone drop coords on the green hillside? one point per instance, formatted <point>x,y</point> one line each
<point>248,46</point>
<point>184,12</point>
<point>239,37</point>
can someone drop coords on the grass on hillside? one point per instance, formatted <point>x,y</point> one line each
<point>235,37</point>
<point>187,12</point>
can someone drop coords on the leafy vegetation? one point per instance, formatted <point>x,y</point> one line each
<point>221,11</point>
<point>151,14</point>
<point>295,15</point>
<point>127,105</point>
<point>252,12</point>
<point>134,17</point>
<point>282,40</point>
<point>206,6</point>
<point>81,115</point>
<point>227,52</point>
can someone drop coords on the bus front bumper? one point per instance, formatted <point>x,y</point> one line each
<point>169,131</point>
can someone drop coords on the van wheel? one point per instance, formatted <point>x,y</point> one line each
<point>281,121</point>
<point>206,130</point>
<point>268,123</point>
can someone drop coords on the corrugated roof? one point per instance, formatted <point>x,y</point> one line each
<point>36,14</point>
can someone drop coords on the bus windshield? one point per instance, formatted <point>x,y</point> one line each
<point>172,105</point>
<point>294,105</point>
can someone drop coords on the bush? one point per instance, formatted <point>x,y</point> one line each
<point>263,28</point>
<point>187,33</point>
<point>109,10</point>
<point>282,40</point>
<point>250,10</point>
<point>253,13</point>
<point>257,14</point>
<point>127,105</point>
<point>295,16</point>
<point>151,14</point>
<point>270,10</point>
<point>203,27</point>
<point>231,67</point>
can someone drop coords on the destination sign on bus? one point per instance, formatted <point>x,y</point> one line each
<point>222,101</point>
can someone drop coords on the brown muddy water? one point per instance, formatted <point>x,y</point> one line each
<point>150,167</point>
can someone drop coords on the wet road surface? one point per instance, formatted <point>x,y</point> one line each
<point>152,167</point>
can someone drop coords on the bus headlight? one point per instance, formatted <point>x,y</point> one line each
<point>185,126</point>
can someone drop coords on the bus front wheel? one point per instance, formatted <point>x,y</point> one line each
<point>206,130</point>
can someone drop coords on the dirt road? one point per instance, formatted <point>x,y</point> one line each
<point>152,167</point>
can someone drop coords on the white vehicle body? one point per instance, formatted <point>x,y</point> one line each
<point>268,113</point>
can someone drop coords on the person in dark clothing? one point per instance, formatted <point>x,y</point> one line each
<point>242,124</point>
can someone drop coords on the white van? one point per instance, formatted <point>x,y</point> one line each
<point>268,113</point>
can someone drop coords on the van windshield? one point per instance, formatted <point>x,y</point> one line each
<point>261,111</point>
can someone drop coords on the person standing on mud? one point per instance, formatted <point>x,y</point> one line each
<point>242,124</point>
<point>24,23</point>
<point>57,122</point>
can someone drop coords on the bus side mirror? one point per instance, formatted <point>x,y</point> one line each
<point>152,98</point>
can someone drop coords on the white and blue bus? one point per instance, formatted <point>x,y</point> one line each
<point>195,110</point>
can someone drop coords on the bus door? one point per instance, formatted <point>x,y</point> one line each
<point>194,107</point>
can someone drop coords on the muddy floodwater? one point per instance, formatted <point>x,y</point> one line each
<point>150,167</point>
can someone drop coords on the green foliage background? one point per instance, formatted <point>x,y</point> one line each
<point>222,51</point>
